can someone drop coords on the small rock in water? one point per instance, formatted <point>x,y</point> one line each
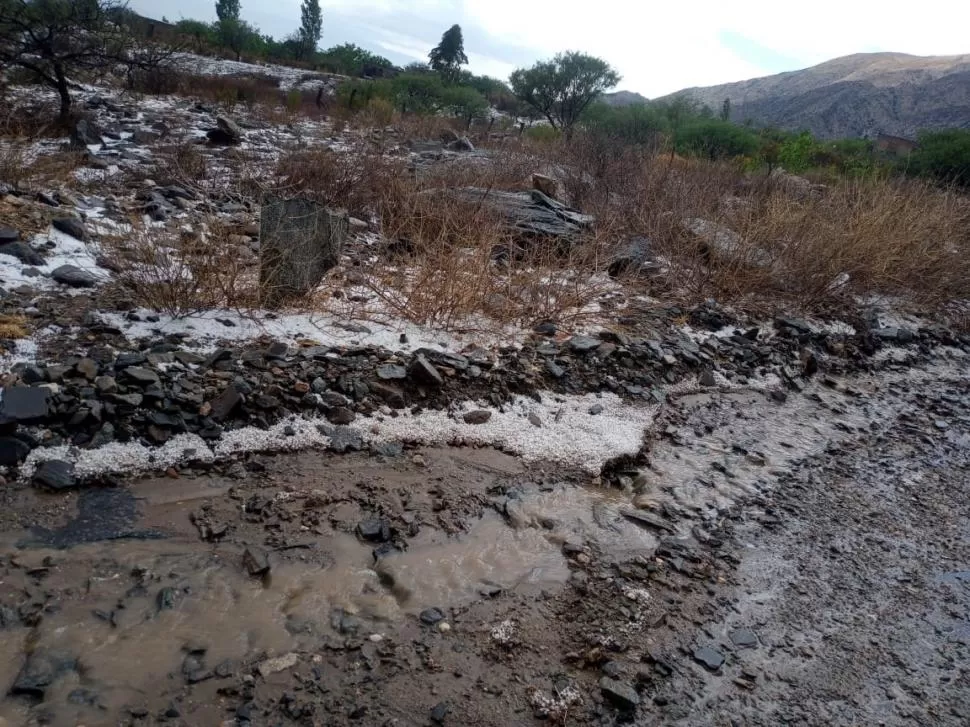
<point>256,561</point>
<point>708,658</point>
<point>374,530</point>
<point>431,616</point>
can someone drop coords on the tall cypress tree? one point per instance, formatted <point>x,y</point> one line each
<point>311,26</point>
<point>448,56</point>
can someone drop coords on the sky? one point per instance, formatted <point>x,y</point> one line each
<point>658,48</point>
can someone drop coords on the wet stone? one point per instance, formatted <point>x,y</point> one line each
<point>709,658</point>
<point>431,616</point>
<point>620,694</point>
<point>374,530</point>
<point>256,561</point>
<point>55,474</point>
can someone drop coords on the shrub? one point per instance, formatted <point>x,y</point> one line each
<point>943,156</point>
<point>715,139</point>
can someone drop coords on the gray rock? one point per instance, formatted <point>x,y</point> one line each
<point>634,256</point>
<point>620,694</point>
<point>345,439</point>
<point>422,371</point>
<point>390,372</point>
<point>583,344</point>
<point>374,530</point>
<point>709,658</point>
<point>55,474</point>
<point>38,673</point>
<point>71,226</point>
<point>226,403</point>
<point>462,144</point>
<point>88,368</point>
<point>74,277</point>
<point>8,234</point>
<point>392,395</point>
<point>596,410</point>
<point>431,616</point>
<point>554,369</point>
<point>481,416</point>
<point>743,638</point>
<point>85,133</point>
<point>139,376</point>
<point>256,561</point>
<point>707,379</point>
<point>341,415</point>
<point>22,251</point>
<point>226,133</point>
<point>300,241</point>
<point>23,404</point>
<point>439,712</point>
<point>527,215</point>
<point>13,451</point>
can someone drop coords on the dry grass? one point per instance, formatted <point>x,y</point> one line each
<point>184,274</point>
<point>13,327</point>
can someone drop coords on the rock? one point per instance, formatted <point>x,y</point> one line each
<point>256,561</point>
<point>527,215</point>
<point>548,186</point>
<point>13,451</point>
<point>38,673</point>
<point>224,404</point>
<point>620,694</point>
<point>344,439</point>
<point>226,133</point>
<point>422,371</point>
<point>8,234</point>
<point>390,394</point>
<point>462,144</point>
<point>139,376</point>
<point>480,416</point>
<point>554,369</point>
<point>795,324</point>
<point>742,638</point>
<point>84,134</point>
<point>596,410</point>
<point>448,136</point>
<point>278,664</point>
<point>165,599</point>
<point>341,415</point>
<point>300,241</point>
<point>74,277</point>
<point>534,420</point>
<point>23,404</point>
<point>55,474</point>
<point>391,372</point>
<point>707,379</point>
<point>708,658</point>
<point>632,257</point>
<point>374,530</point>
<point>583,344</point>
<point>548,328</point>
<point>88,368</point>
<point>439,712</point>
<point>431,616</point>
<point>70,226</point>
<point>143,137</point>
<point>719,243</point>
<point>22,251</point>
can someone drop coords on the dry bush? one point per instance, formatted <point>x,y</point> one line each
<point>353,180</point>
<point>13,327</point>
<point>186,273</point>
<point>888,236</point>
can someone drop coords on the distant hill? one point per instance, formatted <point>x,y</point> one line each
<point>858,95</point>
<point>623,98</point>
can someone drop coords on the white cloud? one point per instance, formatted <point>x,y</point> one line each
<point>658,48</point>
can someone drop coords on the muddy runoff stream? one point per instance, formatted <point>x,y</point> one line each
<point>199,599</point>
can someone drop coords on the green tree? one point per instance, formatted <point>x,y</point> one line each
<point>55,40</point>
<point>311,27</point>
<point>419,93</point>
<point>726,110</point>
<point>637,124</point>
<point>227,10</point>
<point>561,89</point>
<point>448,56</point>
<point>464,102</point>
<point>942,155</point>
<point>715,139</point>
<point>796,152</point>
<point>198,33</point>
<point>352,60</point>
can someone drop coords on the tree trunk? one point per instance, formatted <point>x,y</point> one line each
<point>64,92</point>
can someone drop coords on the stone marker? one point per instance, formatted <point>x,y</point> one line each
<point>300,241</point>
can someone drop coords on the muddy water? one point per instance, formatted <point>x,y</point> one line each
<point>132,605</point>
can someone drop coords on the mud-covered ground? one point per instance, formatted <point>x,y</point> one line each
<point>769,562</point>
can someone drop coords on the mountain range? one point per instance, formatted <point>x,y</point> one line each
<point>860,95</point>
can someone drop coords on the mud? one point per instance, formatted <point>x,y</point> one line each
<point>769,562</point>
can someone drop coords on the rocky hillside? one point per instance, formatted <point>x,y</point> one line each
<point>858,95</point>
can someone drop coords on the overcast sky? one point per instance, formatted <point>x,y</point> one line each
<point>658,47</point>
